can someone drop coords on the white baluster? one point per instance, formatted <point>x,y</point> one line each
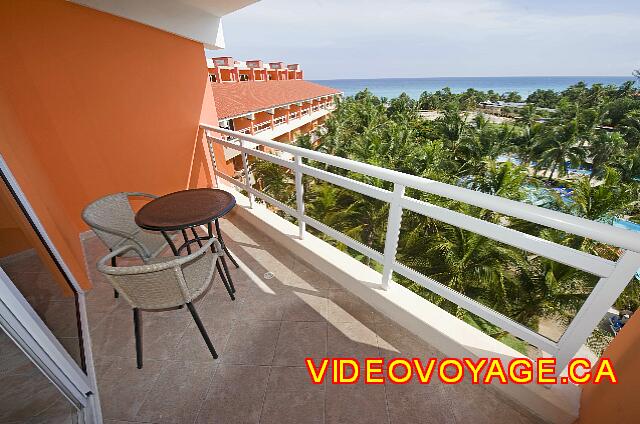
<point>393,234</point>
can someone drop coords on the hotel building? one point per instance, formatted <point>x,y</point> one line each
<point>268,100</point>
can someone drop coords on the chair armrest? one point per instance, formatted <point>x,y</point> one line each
<point>201,251</point>
<point>117,252</point>
<point>171,262</point>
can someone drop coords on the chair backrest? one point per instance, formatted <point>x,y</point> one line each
<point>111,218</point>
<point>165,283</point>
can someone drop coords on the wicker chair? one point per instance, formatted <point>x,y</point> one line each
<point>162,283</point>
<point>112,220</point>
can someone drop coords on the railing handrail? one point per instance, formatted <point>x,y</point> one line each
<point>597,231</point>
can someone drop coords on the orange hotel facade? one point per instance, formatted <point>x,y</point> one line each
<point>270,100</point>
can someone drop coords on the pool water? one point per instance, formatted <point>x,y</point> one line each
<point>627,225</point>
<point>540,195</point>
<point>580,171</point>
<point>508,158</point>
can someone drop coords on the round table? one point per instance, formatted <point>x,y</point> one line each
<point>188,209</point>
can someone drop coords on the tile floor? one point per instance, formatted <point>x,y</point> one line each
<point>263,338</point>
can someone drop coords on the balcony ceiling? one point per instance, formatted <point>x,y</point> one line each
<point>198,20</point>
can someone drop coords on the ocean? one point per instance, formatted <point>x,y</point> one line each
<point>392,87</point>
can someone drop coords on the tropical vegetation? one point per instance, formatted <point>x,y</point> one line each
<point>576,151</point>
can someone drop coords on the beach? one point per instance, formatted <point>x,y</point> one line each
<point>392,87</point>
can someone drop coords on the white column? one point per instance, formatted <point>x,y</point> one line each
<point>247,181</point>
<point>300,196</point>
<point>393,234</point>
<point>213,159</point>
<point>603,295</point>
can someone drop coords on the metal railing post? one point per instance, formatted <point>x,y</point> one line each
<point>245,168</point>
<point>393,234</point>
<point>595,308</point>
<point>299,196</point>
<point>213,158</point>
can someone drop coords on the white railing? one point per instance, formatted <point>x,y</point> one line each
<point>243,131</point>
<point>614,276</point>
<point>262,126</point>
<point>304,112</point>
<point>280,120</point>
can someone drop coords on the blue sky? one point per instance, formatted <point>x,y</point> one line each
<point>428,38</point>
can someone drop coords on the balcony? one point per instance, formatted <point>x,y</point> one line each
<point>263,338</point>
<point>281,126</point>
<point>280,120</point>
<point>444,332</point>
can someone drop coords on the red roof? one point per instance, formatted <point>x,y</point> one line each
<point>239,98</point>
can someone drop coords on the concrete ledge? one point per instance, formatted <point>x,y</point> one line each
<point>451,336</point>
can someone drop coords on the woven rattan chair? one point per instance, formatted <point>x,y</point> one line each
<point>162,283</point>
<point>112,219</point>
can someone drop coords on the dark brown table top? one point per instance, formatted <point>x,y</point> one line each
<point>184,209</point>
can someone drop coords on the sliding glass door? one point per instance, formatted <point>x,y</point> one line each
<point>45,358</point>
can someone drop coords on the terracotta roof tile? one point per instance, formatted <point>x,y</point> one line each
<point>233,99</point>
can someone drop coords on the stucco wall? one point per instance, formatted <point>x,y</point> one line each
<point>92,104</point>
<point>616,403</point>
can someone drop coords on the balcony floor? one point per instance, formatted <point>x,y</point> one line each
<point>262,339</point>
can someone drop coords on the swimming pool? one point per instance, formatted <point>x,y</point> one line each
<point>539,196</point>
<point>627,225</point>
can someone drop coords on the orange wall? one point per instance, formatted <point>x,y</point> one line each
<point>616,403</point>
<point>12,238</point>
<point>92,104</point>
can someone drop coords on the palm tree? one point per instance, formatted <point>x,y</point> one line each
<point>466,262</point>
<point>274,180</point>
<point>604,202</point>
<point>605,148</point>
<point>452,125</point>
<point>524,287</point>
<point>560,145</point>
<point>504,180</point>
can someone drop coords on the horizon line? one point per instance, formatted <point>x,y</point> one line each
<point>631,77</point>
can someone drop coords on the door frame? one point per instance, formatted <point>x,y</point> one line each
<point>30,333</point>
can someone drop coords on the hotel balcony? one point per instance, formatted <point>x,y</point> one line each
<point>385,301</point>
<point>285,311</point>
<point>299,297</point>
<point>281,126</point>
<point>227,70</point>
<point>150,123</point>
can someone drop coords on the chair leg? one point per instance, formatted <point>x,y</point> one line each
<point>137,327</point>
<point>226,271</point>
<point>219,233</point>
<point>113,264</point>
<point>203,331</point>
<point>224,281</point>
